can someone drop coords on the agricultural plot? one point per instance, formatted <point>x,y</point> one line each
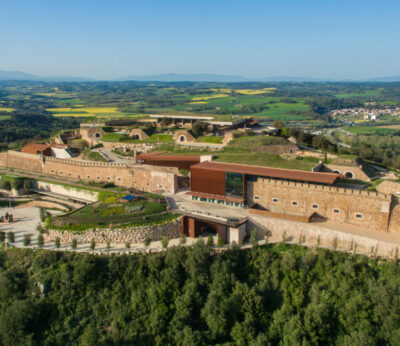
<point>97,112</point>
<point>371,130</point>
<point>6,109</point>
<point>366,93</point>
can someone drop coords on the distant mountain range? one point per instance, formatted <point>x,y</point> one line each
<point>22,76</point>
<point>174,77</point>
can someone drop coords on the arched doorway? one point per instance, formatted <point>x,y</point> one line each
<point>97,135</point>
<point>181,138</point>
<point>349,175</point>
<point>136,136</point>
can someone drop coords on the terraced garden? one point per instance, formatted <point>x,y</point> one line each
<point>111,212</point>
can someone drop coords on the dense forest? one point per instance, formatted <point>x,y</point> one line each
<point>269,295</point>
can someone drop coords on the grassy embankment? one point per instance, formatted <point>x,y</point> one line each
<point>110,212</point>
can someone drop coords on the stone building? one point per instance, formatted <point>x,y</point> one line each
<point>138,134</point>
<point>352,169</point>
<point>183,136</point>
<point>92,135</point>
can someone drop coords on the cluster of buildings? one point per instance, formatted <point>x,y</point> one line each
<point>264,191</point>
<point>366,113</point>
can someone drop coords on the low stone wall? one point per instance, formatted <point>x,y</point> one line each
<point>119,235</point>
<point>317,235</point>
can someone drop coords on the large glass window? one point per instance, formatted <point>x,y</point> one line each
<point>234,184</point>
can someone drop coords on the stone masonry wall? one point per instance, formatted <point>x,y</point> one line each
<point>145,178</point>
<point>317,235</point>
<point>119,235</point>
<point>366,209</point>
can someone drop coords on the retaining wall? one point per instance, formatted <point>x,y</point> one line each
<point>119,235</point>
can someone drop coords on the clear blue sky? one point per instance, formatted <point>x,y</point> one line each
<point>115,38</point>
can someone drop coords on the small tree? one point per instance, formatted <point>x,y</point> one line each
<point>27,239</point>
<point>57,242</point>
<point>2,237</point>
<point>92,244</point>
<point>253,238</point>
<point>210,241</point>
<point>182,239</point>
<point>220,242</point>
<point>27,185</point>
<point>74,243</point>
<point>128,245</point>
<point>147,242</point>
<point>10,237</point>
<point>40,240</point>
<point>164,242</point>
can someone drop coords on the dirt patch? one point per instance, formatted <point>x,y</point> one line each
<point>395,127</point>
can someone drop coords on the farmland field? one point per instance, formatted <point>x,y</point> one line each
<point>371,130</point>
<point>6,109</point>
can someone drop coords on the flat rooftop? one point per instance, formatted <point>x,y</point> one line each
<point>289,174</point>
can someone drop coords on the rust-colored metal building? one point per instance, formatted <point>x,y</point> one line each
<point>226,183</point>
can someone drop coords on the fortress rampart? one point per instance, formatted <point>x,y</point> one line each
<point>362,208</point>
<point>145,178</point>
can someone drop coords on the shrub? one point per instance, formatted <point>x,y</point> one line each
<point>108,244</point>
<point>220,242</point>
<point>2,237</point>
<point>10,237</point>
<point>27,239</point>
<point>253,238</point>
<point>147,242</point>
<point>165,242</point>
<point>128,245</point>
<point>182,239</point>
<point>57,242</point>
<point>92,244</point>
<point>40,240</point>
<point>74,243</point>
<point>210,241</point>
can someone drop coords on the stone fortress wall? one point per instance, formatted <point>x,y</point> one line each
<point>362,208</point>
<point>144,178</point>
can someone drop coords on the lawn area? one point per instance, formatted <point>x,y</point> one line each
<point>161,138</point>
<point>268,160</point>
<point>371,130</point>
<point>210,139</point>
<point>110,212</point>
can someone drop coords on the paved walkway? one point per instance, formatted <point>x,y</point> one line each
<point>112,157</point>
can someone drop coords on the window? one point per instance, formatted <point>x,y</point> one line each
<point>275,200</point>
<point>336,211</point>
<point>52,171</point>
<point>295,204</point>
<point>79,176</point>
<point>314,206</point>
<point>359,216</point>
<point>119,179</point>
<point>69,174</point>
<point>234,184</point>
<point>98,178</point>
<point>61,173</point>
<point>88,176</point>
<point>108,178</point>
<point>256,198</point>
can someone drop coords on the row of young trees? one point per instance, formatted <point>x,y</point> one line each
<point>269,295</point>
